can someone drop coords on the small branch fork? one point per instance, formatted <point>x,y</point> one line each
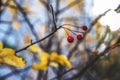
<point>39,40</point>
<point>108,49</point>
<point>80,73</point>
<point>32,43</point>
<point>54,22</point>
<point>91,63</point>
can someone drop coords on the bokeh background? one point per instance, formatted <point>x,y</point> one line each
<point>35,20</point>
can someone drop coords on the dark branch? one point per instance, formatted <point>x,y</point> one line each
<point>38,40</point>
<point>14,72</point>
<point>91,26</point>
<point>68,7</point>
<point>63,74</point>
<point>26,19</point>
<point>92,62</point>
<point>53,15</point>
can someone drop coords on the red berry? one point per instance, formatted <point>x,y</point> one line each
<point>84,27</point>
<point>70,39</point>
<point>79,36</point>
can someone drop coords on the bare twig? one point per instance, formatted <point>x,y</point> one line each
<point>68,7</point>
<point>92,62</point>
<point>63,73</point>
<point>91,26</point>
<point>39,40</point>
<point>26,19</point>
<point>96,58</point>
<point>97,19</point>
<point>53,15</point>
<point>2,8</point>
<point>101,40</point>
<point>89,64</point>
<point>14,72</point>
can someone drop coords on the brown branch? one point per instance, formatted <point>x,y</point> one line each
<point>39,40</point>
<point>97,19</point>
<point>53,15</point>
<point>26,19</point>
<point>97,57</point>
<point>68,7</point>
<point>16,71</point>
<point>91,26</point>
<point>2,7</point>
<point>92,62</point>
<point>63,74</point>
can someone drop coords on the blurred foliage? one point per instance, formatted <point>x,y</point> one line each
<point>23,22</point>
<point>7,56</point>
<point>107,68</point>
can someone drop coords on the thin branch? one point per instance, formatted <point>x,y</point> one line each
<point>96,58</point>
<point>45,4</point>
<point>71,30</point>
<point>79,74</point>
<point>2,7</point>
<point>101,39</point>
<point>108,49</point>
<point>0,4</point>
<point>63,74</point>
<point>53,15</point>
<point>57,5</point>
<point>91,26</point>
<point>14,72</point>
<point>92,62</point>
<point>39,40</point>
<point>89,64</point>
<point>26,19</point>
<point>97,19</point>
<point>71,25</point>
<point>74,3</point>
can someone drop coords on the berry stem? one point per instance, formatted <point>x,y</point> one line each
<point>71,25</point>
<point>72,30</point>
<point>65,31</point>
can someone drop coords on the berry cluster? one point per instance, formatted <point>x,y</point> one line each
<point>79,36</point>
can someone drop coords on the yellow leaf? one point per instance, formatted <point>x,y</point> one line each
<point>11,3</point>
<point>62,59</point>
<point>44,56</point>
<point>54,56</point>
<point>99,30</point>
<point>16,25</point>
<point>78,6</point>
<point>53,64</point>
<point>52,59</point>
<point>12,7</point>
<point>34,48</point>
<point>40,66</point>
<point>14,61</point>
<point>6,52</point>
<point>44,62</point>
<point>65,61</point>
<point>7,56</point>
<point>13,10</point>
<point>1,45</point>
<point>27,39</point>
<point>0,60</point>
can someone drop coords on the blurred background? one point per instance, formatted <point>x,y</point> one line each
<point>21,19</point>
